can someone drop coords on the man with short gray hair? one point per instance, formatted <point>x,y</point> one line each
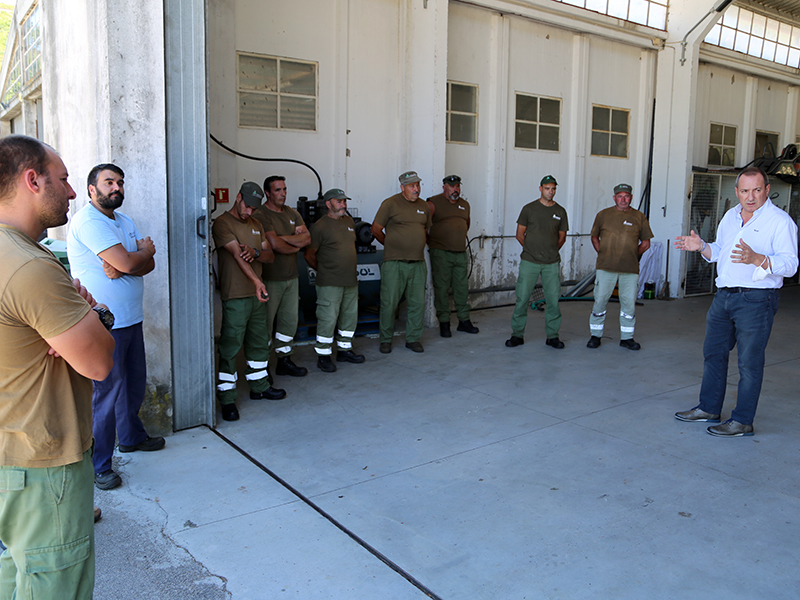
<point>620,235</point>
<point>401,225</point>
<point>756,247</point>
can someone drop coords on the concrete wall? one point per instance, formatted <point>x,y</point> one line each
<point>383,67</point>
<point>103,92</point>
<point>509,54</point>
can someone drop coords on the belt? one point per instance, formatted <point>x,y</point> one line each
<point>739,290</point>
<point>409,261</point>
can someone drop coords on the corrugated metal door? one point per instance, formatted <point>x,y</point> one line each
<point>187,173</point>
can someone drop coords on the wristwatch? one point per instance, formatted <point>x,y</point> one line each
<point>106,316</point>
<point>258,253</point>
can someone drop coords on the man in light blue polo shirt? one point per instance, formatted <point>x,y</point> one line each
<point>110,257</point>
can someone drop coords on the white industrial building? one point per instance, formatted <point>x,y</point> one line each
<point>501,92</point>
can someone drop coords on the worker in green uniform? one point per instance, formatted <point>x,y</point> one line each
<point>332,253</point>
<point>620,235</point>
<point>287,235</point>
<point>541,230</point>
<point>401,225</point>
<point>242,250</point>
<point>447,245</point>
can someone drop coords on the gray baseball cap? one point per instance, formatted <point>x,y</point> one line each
<point>409,177</point>
<point>252,194</point>
<point>335,194</point>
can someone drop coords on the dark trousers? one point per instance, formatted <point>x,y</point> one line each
<point>742,319</point>
<point>117,399</point>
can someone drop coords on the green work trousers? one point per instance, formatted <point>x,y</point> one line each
<point>244,321</point>
<point>449,270</point>
<point>47,523</point>
<point>282,313</point>
<point>551,286</point>
<point>604,284</point>
<point>336,304</point>
<point>399,277</point>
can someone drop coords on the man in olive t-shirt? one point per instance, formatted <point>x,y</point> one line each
<point>287,234</point>
<point>51,345</point>
<point>401,225</point>
<point>242,251</point>
<point>541,230</point>
<point>447,246</point>
<point>332,253</point>
<point>620,235</point>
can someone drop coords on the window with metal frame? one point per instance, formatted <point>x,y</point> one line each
<point>766,144</point>
<point>277,93</point>
<point>610,131</point>
<point>537,123</point>
<point>722,145</point>
<point>462,112</point>
<point>758,35</point>
<point>14,80</point>
<point>652,13</point>
<point>32,45</point>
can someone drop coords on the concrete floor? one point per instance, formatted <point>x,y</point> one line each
<point>477,471</point>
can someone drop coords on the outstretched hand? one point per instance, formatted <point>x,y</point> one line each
<point>690,243</point>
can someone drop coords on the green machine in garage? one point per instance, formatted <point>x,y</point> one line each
<point>369,274</point>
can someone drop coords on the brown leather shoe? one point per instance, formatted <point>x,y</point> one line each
<point>731,428</point>
<point>696,414</point>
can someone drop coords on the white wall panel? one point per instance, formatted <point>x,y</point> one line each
<point>721,99</point>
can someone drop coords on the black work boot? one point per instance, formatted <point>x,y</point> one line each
<point>467,327</point>
<point>444,330</point>
<point>324,363</point>
<point>287,367</point>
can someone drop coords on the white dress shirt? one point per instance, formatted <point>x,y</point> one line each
<point>771,232</point>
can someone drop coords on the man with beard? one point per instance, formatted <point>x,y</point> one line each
<point>447,245</point>
<point>51,345</point>
<point>109,255</point>
<point>332,253</point>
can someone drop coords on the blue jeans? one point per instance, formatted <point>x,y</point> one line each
<point>742,319</point>
<point>117,399</point>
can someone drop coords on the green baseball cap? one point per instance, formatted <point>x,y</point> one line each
<point>623,187</point>
<point>548,179</point>
<point>252,194</point>
<point>409,177</point>
<point>335,194</point>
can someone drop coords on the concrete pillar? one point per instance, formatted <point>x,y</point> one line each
<point>676,97</point>
<point>578,116</point>
<point>103,87</point>
<point>424,108</point>
<point>29,118</point>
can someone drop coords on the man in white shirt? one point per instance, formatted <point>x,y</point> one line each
<point>756,247</point>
